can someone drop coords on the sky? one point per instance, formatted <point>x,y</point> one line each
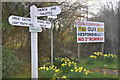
<point>94,5</point>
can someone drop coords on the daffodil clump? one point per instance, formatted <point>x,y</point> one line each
<point>64,62</point>
<point>63,59</point>
<point>80,69</point>
<point>105,57</point>
<point>97,55</point>
<point>69,66</point>
<point>49,71</point>
<point>49,68</point>
<point>68,63</point>
<point>78,72</point>
<point>110,55</point>
<point>66,69</point>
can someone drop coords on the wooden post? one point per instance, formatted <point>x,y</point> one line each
<point>102,47</point>
<point>78,51</point>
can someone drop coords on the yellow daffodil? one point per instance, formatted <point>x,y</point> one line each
<point>72,62</point>
<point>84,70</point>
<point>80,68</point>
<point>64,77</point>
<point>92,56</point>
<point>57,70</point>
<point>115,56</point>
<point>76,70</point>
<point>72,70</point>
<point>63,64</point>
<point>94,53</point>
<point>112,55</point>
<point>100,53</point>
<point>75,67</point>
<point>53,66</point>
<point>47,69</point>
<point>97,53</point>
<point>105,55</point>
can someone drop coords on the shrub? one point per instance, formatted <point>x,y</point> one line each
<point>10,62</point>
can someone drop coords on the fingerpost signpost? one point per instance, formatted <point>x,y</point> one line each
<point>35,26</point>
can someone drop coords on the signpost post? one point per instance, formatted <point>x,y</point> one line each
<point>52,43</point>
<point>52,17</point>
<point>35,26</point>
<point>34,41</point>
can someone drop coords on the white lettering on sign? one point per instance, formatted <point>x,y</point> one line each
<point>88,31</point>
<point>47,11</point>
<point>22,21</point>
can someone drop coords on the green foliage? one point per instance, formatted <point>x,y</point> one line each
<point>75,74</point>
<point>90,61</point>
<point>10,62</point>
<point>46,73</point>
<point>58,62</point>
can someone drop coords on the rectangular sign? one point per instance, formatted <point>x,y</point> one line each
<point>47,11</point>
<point>88,31</point>
<point>35,29</point>
<point>22,21</point>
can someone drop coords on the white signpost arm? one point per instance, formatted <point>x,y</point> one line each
<point>34,46</point>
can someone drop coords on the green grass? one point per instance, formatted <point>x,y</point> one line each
<point>101,75</point>
<point>98,64</point>
<point>91,75</point>
<point>20,75</point>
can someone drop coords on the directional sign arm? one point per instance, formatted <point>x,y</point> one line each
<point>47,11</point>
<point>23,21</point>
